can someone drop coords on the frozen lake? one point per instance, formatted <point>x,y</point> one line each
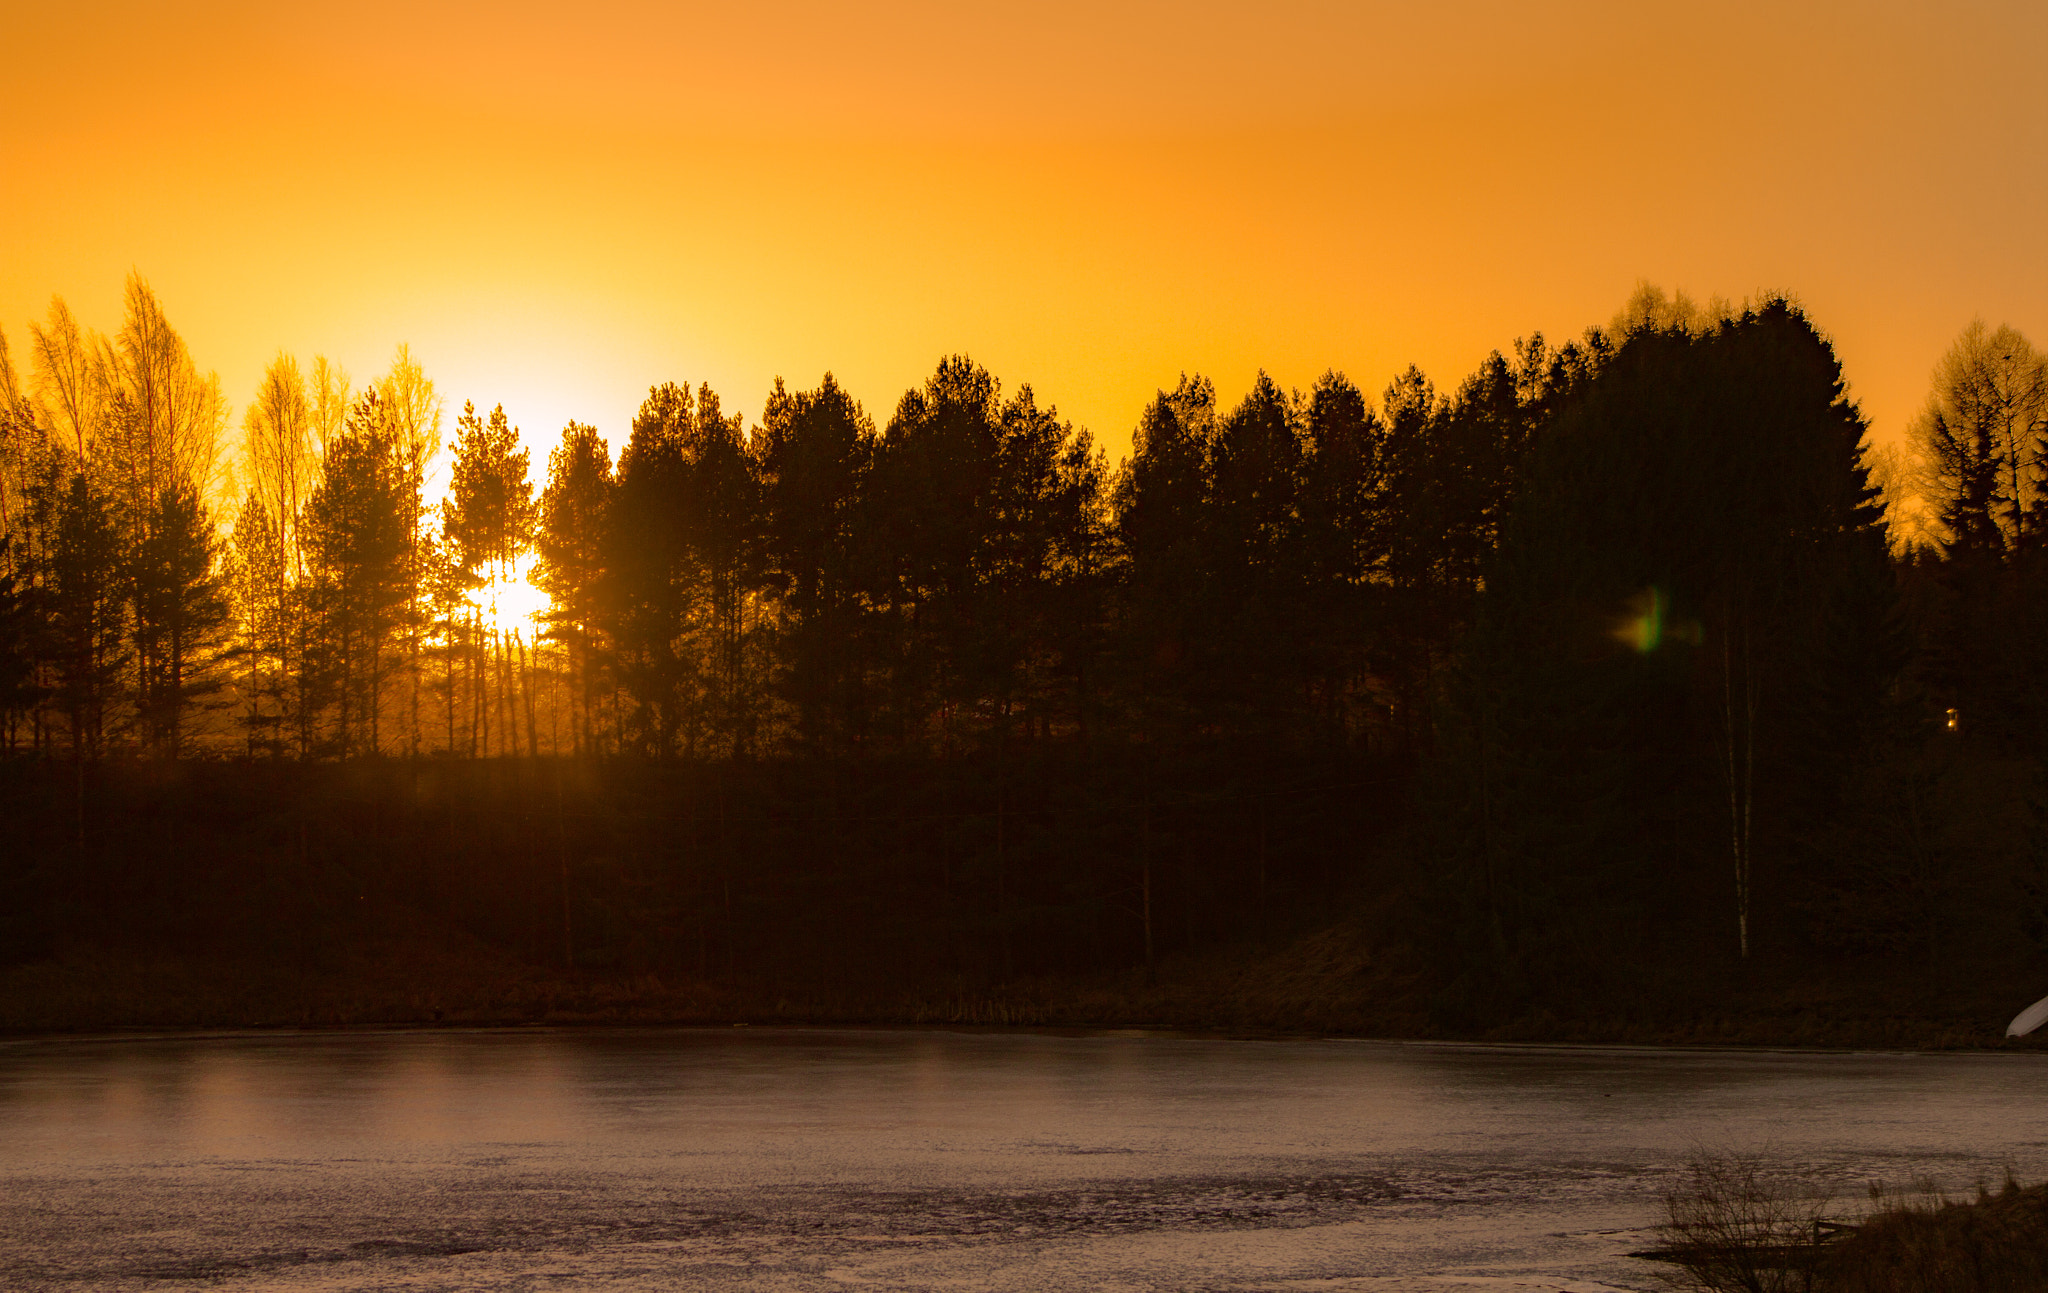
<point>817,1159</point>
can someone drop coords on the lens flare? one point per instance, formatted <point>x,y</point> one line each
<point>1649,623</point>
<point>1644,629</point>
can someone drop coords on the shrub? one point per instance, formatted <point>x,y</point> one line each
<point>1736,1226</point>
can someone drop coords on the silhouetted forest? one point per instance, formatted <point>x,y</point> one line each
<point>1596,687</point>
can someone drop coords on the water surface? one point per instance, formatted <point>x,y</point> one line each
<point>816,1159</point>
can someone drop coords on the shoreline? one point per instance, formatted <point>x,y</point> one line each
<point>114,997</point>
<point>224,1032</point>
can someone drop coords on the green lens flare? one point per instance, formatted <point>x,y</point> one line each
<point>1653,622</point>
<point>1646,630</point>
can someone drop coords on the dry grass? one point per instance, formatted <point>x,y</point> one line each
<point>1994,1243</point>
<point>1737,1225</point>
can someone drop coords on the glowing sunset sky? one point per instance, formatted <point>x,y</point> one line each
<point>558,205</point>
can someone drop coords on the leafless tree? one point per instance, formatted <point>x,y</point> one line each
<point>1988,412</point>
<point>277,447</point>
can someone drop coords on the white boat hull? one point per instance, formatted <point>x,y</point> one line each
<point>2026,1021</point>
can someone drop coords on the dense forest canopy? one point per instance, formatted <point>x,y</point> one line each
<point>1623,617</point>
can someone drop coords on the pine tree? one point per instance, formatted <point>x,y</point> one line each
<point>570,541</point>
<point>489,520</point>
<point>817,449</point>
<point>80,568</point>
<point>1159,502</point>
<point>976,502</point>
<point>722,525</point>
<point>1256,567</point>
<point>355,526</point>
<point>1342,535</point>
<point>180,615</point>
<point>21,630</point>
<point>653,585</point>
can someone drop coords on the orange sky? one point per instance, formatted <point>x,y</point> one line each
<point>558,205</point>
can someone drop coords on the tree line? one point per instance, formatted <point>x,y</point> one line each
<point>1663,654</point>
<point>970,574</point>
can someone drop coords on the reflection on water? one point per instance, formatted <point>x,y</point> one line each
<point>808,1159</point>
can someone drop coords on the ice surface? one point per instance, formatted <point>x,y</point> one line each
<point>813,1159</point>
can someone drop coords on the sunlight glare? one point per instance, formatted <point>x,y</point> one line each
<point>512,603</point>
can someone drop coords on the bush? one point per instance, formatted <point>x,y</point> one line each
<point>1737,1226</point>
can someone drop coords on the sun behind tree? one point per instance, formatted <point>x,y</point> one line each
<point>488,518</point>
<point>489,512</point>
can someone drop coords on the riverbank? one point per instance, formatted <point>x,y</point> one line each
<point>1329,983</point>
<point>1738,1224</point>
<point>1268,893</point>
<point>1994,1243</point>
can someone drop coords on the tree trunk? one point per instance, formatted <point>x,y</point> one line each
<point>1145,878</point>
<point>1739,726</point>
<point>532,730</point>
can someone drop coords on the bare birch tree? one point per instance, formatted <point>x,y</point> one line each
<point>69,377</point>
<point>329,396</point>
<point>277,446</point>
<point>174,430</point>
<point>22,440</point>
